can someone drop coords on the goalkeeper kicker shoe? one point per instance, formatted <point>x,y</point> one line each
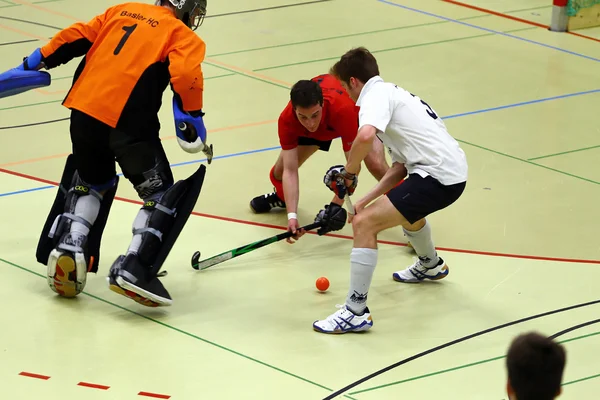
<point>131,279</point>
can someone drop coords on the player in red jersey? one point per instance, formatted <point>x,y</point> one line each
<point>318,112</point>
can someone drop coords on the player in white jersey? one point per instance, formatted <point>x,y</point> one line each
<point>420,147</point>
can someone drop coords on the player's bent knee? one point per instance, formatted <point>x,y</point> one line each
<point>362,224</point>
<point>416,226</point>
<point>153,182</point>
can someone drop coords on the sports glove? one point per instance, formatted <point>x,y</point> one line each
<point>331,218</point>
<point>190,131</point>
<point>334,180</point>
<point>33,62</point>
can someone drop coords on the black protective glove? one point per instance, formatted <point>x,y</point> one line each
<point>332,218</point>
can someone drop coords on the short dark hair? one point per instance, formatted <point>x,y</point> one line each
<point>358,63</point>
<point>306,93</point>
<point>535,366</point>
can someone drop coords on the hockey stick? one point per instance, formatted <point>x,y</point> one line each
<point>219,258</point>
<point>351,209</point>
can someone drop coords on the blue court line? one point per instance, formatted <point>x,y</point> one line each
<point>243,153</point>
<point>26,190</point>
<point>562,96</point>
<point>487,30</point>
<point>278,147</point>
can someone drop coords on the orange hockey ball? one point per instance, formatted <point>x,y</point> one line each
<point>322,284</point>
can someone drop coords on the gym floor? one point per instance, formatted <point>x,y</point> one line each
<point>522,240</point>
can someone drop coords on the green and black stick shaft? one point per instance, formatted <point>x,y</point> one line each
<point>228,255</point>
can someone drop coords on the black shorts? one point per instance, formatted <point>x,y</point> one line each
<point>97,146</point>
<point>417,197</point>
<point>306,141</point>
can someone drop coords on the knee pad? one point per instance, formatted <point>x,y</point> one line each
<point>61,215</point>
<point>152,182</point>
<point>146,167</point>
<point>168,214</point>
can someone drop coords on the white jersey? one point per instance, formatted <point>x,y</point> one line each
<point>414,134</point>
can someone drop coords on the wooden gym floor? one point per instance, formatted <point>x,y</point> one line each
<point>522,240</point>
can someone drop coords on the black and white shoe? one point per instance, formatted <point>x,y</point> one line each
<point>264,203</point>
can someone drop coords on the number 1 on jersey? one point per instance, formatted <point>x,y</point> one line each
<point>128,31</point>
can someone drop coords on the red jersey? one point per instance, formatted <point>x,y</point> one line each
<point>339,118</point>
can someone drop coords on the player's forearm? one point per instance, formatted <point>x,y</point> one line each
<point>291,190</point>
<point>389,181</point>
<point>337,200</point>
<point>187,76</point>
<point>360,148</point>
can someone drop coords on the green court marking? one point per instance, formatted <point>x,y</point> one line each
<point>68,77</point>
<point>35,2</point>
<point>183,332</point>
<point>365,33</point>
<point>218,76</point>
<point>395,48</point>
<point>344,36</point>
<point>246,75</point>
<point>581,380</point>
<point>528,162</point>
<point>526,9</point>
<point>564,152</point>
<point>31,105</point>
<point>471,365</point>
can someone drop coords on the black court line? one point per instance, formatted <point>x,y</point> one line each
<point>20,41</point>
<point>35,123</point>
<point>574,328</point>
<point>267,8</point>
<point>465,338</point>
<point>30,22</point>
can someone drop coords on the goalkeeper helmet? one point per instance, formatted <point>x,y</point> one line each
<point>190,12</point>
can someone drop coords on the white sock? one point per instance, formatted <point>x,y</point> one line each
<point>140,221</point>
<point>87,207</point>
<point>362,266</point>
<point>423,244</point>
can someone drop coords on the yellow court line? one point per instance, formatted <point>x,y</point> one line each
<point>49,93</point>
<point>8,28</point>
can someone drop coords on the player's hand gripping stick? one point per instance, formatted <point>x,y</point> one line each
<point>191,136</point>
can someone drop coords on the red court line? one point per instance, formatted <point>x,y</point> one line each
<point>525,21</point>
<point>499,14</point>
<point>155,395</point>
<point>93,385</point>
<point>240,221</point>
<point>30,375</point>
<point>584,36</point>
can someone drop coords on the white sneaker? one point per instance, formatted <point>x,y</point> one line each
<point>344,321</point>
<point>418,272</point>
